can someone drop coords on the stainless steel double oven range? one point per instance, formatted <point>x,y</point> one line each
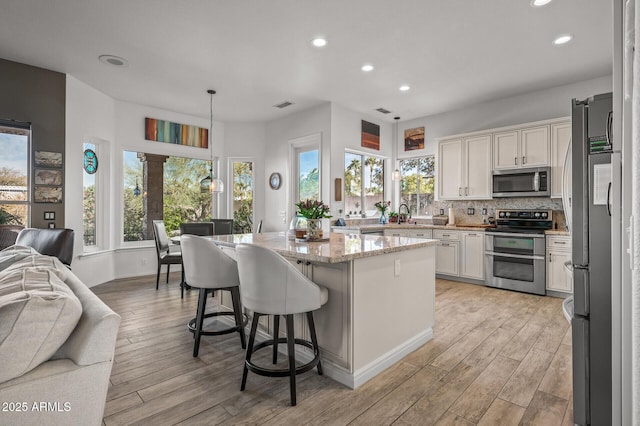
<point>515,251</point>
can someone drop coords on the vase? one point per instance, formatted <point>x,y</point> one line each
<point>314,229</point>
<point>383,218</point>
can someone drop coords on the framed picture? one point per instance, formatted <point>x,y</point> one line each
<point>370,135</point>
<point>414,139</point>
<point>176,133</point>
<point>47,194</point>
<point>47,177</point>
<point>48,159</point>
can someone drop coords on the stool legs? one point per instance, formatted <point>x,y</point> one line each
<point>168,269</point>
<point>202,303</point>
<point>276,335</point>
<point>252,338</point>
<point>291,351</point>
<point>237,309</point>
<point>314,340</point>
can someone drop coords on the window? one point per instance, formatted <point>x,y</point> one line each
<point>308,173</point>
<point>14,173</point>
<point>363,183</point>
<point>418,183</point>
<point>242,196</point>
<point>89,204</point>
<point>161,187</point>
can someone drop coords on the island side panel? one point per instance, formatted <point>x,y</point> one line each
<point>393,313</point>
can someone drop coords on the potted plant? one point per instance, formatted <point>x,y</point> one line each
<point>382,207</point>
<point>314,211</point>
<point>393,217</point>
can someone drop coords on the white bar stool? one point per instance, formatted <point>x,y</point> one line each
<point>208,268</point>
<point>270,285</point>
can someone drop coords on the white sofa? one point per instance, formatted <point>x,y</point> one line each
<point>70,386</point>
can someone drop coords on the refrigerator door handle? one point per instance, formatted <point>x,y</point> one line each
<point>609,199</point>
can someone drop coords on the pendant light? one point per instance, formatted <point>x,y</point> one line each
<point>211,183</point>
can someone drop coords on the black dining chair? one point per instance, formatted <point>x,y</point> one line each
<point>222,226</point>
<point>52,242</point>
<point>203,229</point>
<point>165,256</point>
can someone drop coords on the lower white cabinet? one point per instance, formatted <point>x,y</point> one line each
<point>411,233</point>
<point>558,253</point>
<point>472,255</point>
<point>447,252</point>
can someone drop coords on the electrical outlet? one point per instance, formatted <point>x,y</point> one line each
<point>471,211</point>
<point>484,210</point>
<point>396,268</point>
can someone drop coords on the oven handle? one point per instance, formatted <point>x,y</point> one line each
<point>511,234</point>
<point>515,256</point>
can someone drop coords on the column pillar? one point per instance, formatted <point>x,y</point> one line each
<point>152,190</point>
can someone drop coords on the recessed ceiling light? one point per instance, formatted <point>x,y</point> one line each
<point>115,61</point>
<point>367,67</point>
<point>562,39</point>
<point>319,42</point>
<point>404,88</point>
<point>538,3</point>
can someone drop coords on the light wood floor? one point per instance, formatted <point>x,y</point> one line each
<point>497,358</point>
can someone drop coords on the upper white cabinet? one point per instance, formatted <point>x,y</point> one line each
<point>560,139</point>
<point>464,168</point>
<point>527,147</point>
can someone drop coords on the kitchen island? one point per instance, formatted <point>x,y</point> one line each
<point>381,297</point>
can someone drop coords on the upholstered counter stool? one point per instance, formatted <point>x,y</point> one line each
<point>208,268</point>
<point>270,285</point>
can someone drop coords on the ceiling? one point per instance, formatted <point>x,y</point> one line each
<point>258,53</point>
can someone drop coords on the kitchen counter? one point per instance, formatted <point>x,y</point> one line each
<point>339,247</point>
<point>556,232</point>
<point>381,303</point>
<point>380,227</point>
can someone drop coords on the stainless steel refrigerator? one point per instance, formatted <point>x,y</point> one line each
<point>591,181</point>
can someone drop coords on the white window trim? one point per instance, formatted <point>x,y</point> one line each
<point>435,176</point>
<point>30,171</point>
<point>386,162</point>
<point>103,150</point>
<point>230,183</point>
<point>304,143</point>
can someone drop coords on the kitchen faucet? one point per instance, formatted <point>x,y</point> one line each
<point>403,217</point>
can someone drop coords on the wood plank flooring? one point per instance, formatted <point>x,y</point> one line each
<point>497,358</point>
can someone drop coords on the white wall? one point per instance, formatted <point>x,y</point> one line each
<point>346,134</point>
<point>247,141</point>
<point>535,106</point>
<point>279,133</point>
<point>90,115</point>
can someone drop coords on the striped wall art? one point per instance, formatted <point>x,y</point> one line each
<point>176,133</point>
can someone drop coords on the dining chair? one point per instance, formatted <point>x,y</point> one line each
<point>56,242</point>
<point>208,268</point>
<point>164,255</point>
<point>270,285</point>
<point>259,227</point>
<point>222,226</point>
<point>203,229</point>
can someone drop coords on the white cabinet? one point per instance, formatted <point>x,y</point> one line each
<point>527,147</point>
<point>472,255</point>
<point>560,139</point>
<point>558,253</point>
<point>464,168</point>
<point>447,252</point>
<point>411,233</point>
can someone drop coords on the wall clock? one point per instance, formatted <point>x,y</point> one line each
<point>275,180</point>
<point>90,161</point>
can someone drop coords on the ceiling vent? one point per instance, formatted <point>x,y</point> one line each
<point>384,111</point>
<point>283,104</point>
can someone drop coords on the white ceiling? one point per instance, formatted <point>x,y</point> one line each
<point>257,53</point>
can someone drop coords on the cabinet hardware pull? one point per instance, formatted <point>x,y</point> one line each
<point>460,191</point>
<point>523,161</point>
<point>298,261</point>
<point>419,235</point>
<point>466,190</point>
<point>444,244</point>
<point>515,161</point>
<point>560,242</point>
<point>307,263</point>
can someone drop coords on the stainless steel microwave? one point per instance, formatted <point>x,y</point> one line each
<point>529,182</point>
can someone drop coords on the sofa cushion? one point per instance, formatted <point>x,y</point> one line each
<point>38,312</point>
<point>40,261</point>
<point>12,254</point>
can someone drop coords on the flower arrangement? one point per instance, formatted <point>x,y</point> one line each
<point>382,206</point>
<point>313,209</point>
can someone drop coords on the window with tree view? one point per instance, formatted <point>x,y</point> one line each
<point>363,183</point>
<point>14,172</point>
<point>418,183</point>
<point>242,197</point>
<point>161,187</point>
<point>89,204</point>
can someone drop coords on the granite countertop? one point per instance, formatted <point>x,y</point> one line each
<point>380,227</point>
<point>339,248</point>
<point>557,232</point>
